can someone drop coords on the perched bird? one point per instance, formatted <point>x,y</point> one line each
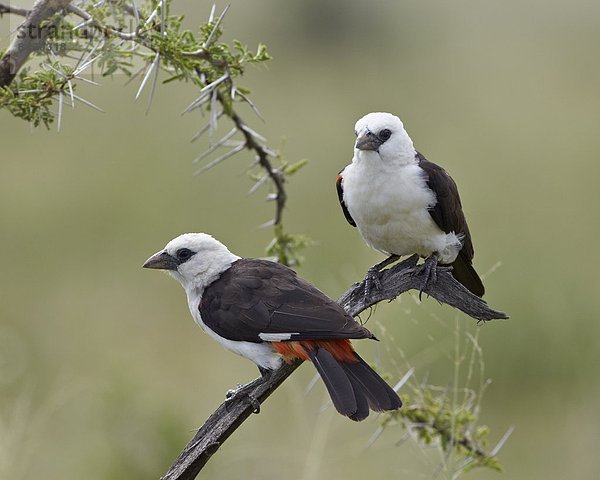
<point>263,311</point>
<point>403,204</point>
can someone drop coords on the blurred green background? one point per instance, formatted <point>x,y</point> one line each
<point>103,374</point>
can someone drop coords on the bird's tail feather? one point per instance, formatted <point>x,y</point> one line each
<point>335,379</point>
<point>380,395</point>
<point>463,271</point>
<point>354,386</point>
<point>362,402</point>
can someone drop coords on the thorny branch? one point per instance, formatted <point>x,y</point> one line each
<point>262,156</point>
<point>215,92</point>
<point>23,12</point>
<point>31,36</point>
<point>233,412</point>
<point>251,138</point>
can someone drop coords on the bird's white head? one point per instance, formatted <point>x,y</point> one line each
<point>195,259</point>
<point>380,137</point>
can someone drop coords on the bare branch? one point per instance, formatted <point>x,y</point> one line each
<point>232,413</point>
<point>406,276</point>
<point>23,12</point>
<point>30,37</point>
<point>222,423</point>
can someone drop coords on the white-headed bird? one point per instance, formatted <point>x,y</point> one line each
<point>403,204</point>
<point>263,311</point>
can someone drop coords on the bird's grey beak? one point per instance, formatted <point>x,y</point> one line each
<point>161,261</point>
<point>368,141</point>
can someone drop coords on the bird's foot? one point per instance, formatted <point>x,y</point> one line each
<point>429,271</point>
<point>244,391</point>
<point>372,278</point>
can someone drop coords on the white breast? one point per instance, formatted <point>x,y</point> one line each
<point>390,209</point>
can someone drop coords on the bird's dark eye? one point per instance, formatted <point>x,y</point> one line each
<point>183,254</point>
<point>355,133</point>
<point>385,134</point>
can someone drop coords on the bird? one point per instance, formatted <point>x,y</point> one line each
<point>265,312</point>
<point>403,204</point>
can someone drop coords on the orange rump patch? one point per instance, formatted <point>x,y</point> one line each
<point>341,350</point>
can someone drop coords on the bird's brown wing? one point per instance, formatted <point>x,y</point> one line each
<point>447,213</point>
<point>256,297</point>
